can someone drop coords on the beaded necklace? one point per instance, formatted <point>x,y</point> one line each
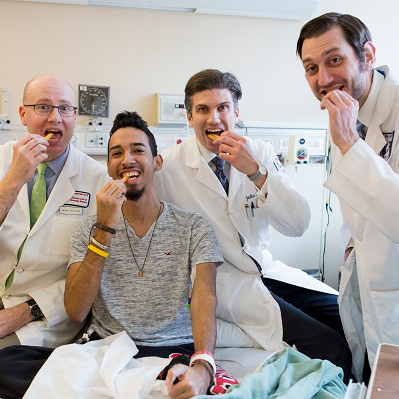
<point>141,269</point>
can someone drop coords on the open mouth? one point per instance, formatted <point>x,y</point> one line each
<point>213,134</point>
<point>130,177</point>
<point>55,134</point>
<point>325,92</point>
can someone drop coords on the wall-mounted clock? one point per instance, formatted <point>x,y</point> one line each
<point>94,101</point>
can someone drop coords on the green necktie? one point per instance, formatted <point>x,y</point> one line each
<point>37,203</point>
<point>38,197</point>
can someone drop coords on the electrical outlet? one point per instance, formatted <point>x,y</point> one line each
<point>5,123</point>
<point>102,140</point>
<point>91,140</point>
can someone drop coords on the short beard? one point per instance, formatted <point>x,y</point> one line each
<point>134,194</point>
<point>359,85</point>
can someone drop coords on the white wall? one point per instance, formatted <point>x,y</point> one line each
<point>139,53</point>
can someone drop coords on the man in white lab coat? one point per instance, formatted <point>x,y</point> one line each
<point>46,187</point>
<point>362,104</point>
<point>239,185</point>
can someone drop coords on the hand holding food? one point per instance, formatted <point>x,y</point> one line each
<point>342,112</point>
<point>235,149</point>
<point>28,152</point>
<point>109,203</point>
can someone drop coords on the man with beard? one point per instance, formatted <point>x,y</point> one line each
<point>362,104</point>
<point>46,187</point>
<point>138,263</point>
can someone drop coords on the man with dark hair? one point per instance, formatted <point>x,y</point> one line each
<point>209,79</point>
<point>354,30</point>
<point>46,187</point>
<point>362,104</point>
<point>133,119</point>
<point>125,261</point>
<point>239,185</point>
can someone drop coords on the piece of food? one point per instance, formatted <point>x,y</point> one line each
<point>48,137</point>
<point>131,175</point>
<point>213,136</point>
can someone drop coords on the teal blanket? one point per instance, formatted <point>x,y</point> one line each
<point>290,375</point>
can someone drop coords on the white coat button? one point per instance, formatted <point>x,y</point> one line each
<point>20,270</point>
<point>360,236</point>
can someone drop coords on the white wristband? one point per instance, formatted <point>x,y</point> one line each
<point>99,245</point>
<point>206,357</point>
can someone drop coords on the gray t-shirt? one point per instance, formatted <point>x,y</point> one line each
<point>152,308</point>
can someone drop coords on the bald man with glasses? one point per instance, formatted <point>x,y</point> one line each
<point>46,187</point>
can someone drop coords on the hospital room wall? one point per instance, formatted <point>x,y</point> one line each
<point>140,52</point>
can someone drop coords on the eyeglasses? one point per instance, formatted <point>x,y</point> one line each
<point>44,109</point>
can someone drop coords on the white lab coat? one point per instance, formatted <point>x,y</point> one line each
<point>42,267</point>
<point>368,190</point>
<point>187,181</point>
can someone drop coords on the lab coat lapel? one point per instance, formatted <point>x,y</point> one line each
<point>374,138</point>
<point>62,190</point>
<point>23,201</point>
<point>235,181</point>
<point>204,174</point>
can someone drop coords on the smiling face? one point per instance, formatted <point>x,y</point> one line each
<point>130,156</point>
<point>50,90</point>
<point>331,64</point>
<point>213,112</point>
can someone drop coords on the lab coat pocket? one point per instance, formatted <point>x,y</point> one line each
<point>386,311</point>
<point>59,240</point>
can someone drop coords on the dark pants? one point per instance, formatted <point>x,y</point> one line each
<point>20,364</point>
<point>312,323</point>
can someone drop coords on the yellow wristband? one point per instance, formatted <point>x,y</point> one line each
<point>98,251</point>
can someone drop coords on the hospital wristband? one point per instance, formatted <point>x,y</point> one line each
<point>99,245</point>
<point>98,251</point>
<point>204,355</point>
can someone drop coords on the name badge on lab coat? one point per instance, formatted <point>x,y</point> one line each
<point>71,210</point>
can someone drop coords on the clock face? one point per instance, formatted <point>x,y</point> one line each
<point>94,101</point>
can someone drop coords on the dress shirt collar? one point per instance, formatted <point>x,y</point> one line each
<point>205,153</point>
<point>57,164</point>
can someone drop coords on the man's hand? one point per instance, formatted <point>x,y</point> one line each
<point>236,151</point>
<point>28,152</point>
<point>342,111</point>
<point>191,381</point>
<point>109,203</point>
<point>12,319</point>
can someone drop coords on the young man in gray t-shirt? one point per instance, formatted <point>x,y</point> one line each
<point>140,262</point>
<point>145,267</point>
